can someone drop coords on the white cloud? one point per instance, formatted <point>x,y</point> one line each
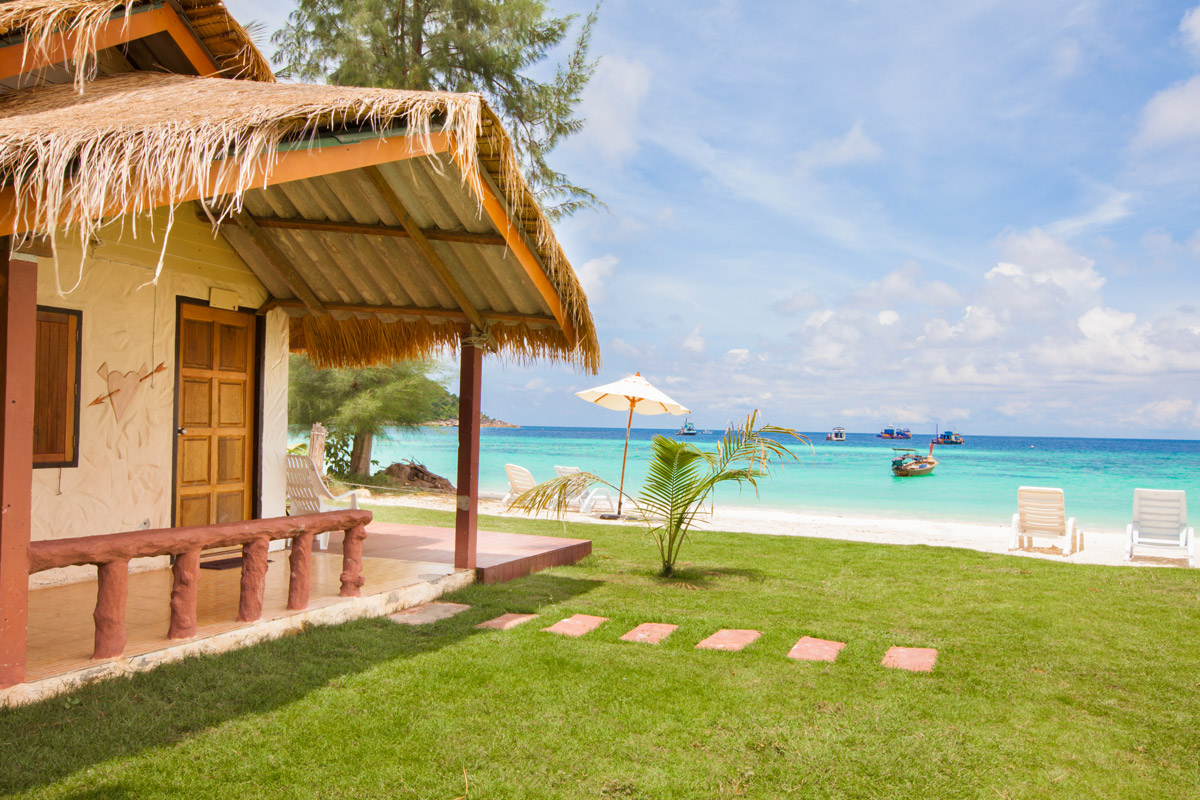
<point>1190,28</point>
<point>595,273</point>
<point>906,284</point>
<point>818,318</point>
<point>887,318</point>
<point>795,302</point>
<point>1039,259</point>
<point>611,106</point>
<point>1112,208</point>
<point>1171,117</point>
<point>694,341</point>
<point>852,147</point>
<point>624,348</point>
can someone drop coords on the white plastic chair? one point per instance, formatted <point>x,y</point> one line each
<point>586,499</point>
<point>1041,513</point>
<point>1160,522</point>
<point>307,493</point>
<point>520,480</point>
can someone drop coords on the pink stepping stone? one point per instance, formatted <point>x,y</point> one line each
<point>427,613</point>
<point>506,621</point>
<point>649,633</point>
<point>913,659</point>
<point>729,639</point>
<point>810,649</point>
<point>577,625</point>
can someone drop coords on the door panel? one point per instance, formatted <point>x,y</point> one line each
<point>216,383</point>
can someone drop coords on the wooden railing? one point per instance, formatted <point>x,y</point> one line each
<point>111,554</point>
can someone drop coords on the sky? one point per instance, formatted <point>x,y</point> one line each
<point>866,212</point>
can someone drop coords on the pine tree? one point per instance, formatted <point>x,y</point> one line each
<point>358,404</point>
<point>484,46</point>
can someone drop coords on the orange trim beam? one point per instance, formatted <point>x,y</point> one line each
<point>290,165</point>
<point>14,60</point>
<point>497,212</point>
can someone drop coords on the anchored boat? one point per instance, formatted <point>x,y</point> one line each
<point>892,432</point>
<point>949,437</point>
<point>911,464</point>
<point>836,435</point>
<point>687,429</point>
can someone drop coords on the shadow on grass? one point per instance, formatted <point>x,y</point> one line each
<point>120,717</point>
<point>695,577</point>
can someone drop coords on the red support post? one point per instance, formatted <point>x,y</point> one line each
<point>351,577</point>
<point>112,590</point>
<point>18,330</point>
<point>254,579</point>
<point>185,592</point>
<point>300,582</point>
<point>466,520</point>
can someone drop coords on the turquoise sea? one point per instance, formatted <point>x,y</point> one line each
<point>974,482</point>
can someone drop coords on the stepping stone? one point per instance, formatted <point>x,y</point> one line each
<point>913,659</point>
<point>427,613</point>
<point>810,649</point>
<point>577,625</point>
<point>649,633</point>
<point>506,621</point>
<point>729,639</point>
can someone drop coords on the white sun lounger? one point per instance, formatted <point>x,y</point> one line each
<point>1160,522</point>
<point>1041,513</point>
<point>587,499</point>
<point>307,493</point>
<point>520,480</point>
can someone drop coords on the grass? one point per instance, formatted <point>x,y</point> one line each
<point>1053,680</point>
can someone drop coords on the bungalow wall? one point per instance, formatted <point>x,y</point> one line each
<point>125,473</point>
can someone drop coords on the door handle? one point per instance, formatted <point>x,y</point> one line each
<point>181,431</point>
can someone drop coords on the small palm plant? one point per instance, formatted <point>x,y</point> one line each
<point>681,478</point>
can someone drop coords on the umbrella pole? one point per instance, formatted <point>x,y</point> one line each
<point>624,457</point>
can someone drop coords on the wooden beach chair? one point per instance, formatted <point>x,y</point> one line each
<point>586,499</point>
<point>1160,522</point>
<point>1041,513</point>
<point>307,493</point>
<point>520,480</point>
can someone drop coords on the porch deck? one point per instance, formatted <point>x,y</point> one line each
<point>402,565</point>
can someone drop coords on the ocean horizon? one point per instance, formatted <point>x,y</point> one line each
<point>975,482</point>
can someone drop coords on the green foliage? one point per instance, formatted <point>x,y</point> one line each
<point>485,46</point>
<point>357,404</point>
<point>681,478</point>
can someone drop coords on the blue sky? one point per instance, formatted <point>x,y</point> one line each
<point>856,213</point>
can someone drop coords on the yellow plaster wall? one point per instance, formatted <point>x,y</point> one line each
<point>125,473</point>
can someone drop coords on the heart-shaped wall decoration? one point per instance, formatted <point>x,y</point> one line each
<point>121,388</point>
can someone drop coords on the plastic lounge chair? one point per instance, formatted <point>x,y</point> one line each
<point>1041,513</point>
<point>520,480</point>
<point>307,493</point>
<point>1160,522</point>
<point>587,499</point>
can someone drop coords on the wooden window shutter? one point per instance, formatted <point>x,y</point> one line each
<point>56,388</point>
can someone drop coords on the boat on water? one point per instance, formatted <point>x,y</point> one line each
<point>949,437</point>
<point>688,428</point>
<point>836,435</point>
<point>892,432</point>
<point>909,463</point>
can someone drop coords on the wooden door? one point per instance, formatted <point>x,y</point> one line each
<point>215,416</point>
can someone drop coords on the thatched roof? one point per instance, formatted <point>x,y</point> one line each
<point>137,141</point>
<point>37,20</point>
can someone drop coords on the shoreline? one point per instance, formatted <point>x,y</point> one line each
<point>1100,546</point>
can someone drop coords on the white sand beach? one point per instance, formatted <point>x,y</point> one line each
<point>1100,547</point>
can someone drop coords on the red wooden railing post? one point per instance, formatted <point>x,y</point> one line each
<point>112,589</point>
<point>184,592</point>
<point>300,583</point>
<point>466,517</point>
<point>254,580</point>
<point>352,579</point>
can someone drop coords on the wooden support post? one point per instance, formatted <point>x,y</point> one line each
<point>466,520</point>
<point>254,580</point>
<point>300,583</point>
<point>112,590</point>
<point>185,589</point>
<point>18,330</point>
<point>352,579</point>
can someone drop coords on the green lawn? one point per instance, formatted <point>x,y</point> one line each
<point>1053,680</point>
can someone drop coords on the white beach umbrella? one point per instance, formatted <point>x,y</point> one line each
<point>631,394</point>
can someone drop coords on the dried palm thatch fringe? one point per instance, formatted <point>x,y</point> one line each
<point>39,20</point>
<point>137,141</point>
